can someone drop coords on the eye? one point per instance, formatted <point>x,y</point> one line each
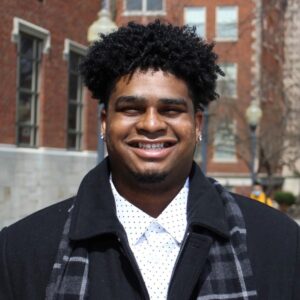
<point>172,111</point>
<point>130,111</point>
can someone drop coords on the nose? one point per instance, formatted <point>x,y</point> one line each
<point>151,122</point>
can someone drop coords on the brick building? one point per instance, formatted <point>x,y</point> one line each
<point>48,132</point>
<point>48,125</point>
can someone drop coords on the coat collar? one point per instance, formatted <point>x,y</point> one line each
<point>205,205</point>
<point>94,211</point>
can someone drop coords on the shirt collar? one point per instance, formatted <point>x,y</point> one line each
<point>134,220</point>
<point>94,211</point>
<point>172,219</point>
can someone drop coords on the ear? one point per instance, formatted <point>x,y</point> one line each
<point>198,124</point>
<point>103,122</point>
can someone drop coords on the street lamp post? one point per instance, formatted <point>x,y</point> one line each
<point>204,141</point>
<point>253,116</point>
<point>104,25</point>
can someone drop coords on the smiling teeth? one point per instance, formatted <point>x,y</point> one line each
<point>151,146</point>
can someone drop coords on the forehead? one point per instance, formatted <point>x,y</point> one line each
<point>151,85</point>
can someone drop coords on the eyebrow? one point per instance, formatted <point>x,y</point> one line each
<point>129,100</point>
<point>173,101</point>
<point>137,99</point>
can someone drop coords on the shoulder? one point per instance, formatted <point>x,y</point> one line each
<point>46,222</point>
<point>28,249</point>
<point>273,248</point>
<point>267,225</point>
<point>263,217</point>
<point>268,230</point>
<point>40,230</point>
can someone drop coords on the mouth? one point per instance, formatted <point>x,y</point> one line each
<point>152,150</point>
<point>151,146</point>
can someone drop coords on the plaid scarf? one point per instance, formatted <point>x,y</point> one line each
<point>227,273</point>
<point>228,270</point>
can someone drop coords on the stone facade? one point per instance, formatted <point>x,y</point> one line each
<point>292,90</point>
<point>33,179</point>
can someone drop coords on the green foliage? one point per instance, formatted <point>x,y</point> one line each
<point>283,197</point>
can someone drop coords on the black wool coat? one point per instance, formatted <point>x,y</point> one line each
<point>28,248</point>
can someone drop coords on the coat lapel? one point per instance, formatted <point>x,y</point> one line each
<point>94,211</point>
<point>192,259</point>
<point>206,222</point>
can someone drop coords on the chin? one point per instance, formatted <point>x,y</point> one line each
<point>150,177</point>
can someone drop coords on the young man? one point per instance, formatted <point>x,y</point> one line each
<point>146,223</point>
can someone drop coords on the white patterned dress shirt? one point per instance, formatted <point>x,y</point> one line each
<point>155,242</point>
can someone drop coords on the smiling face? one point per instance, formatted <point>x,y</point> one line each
<point>151,128</point>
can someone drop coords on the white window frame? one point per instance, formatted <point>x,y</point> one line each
<point>20,25</point>
<point>232,159</point>
<point>72,46</point>
<point>224,79</point>
<point>33,92</point>
<point>227,39</point>
<point>144,12</point>
<point>195,24</point>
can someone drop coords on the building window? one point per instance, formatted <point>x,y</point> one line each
<point>29,58</point>
<point>224,142</point>
<point>196,16</point>
<point>75,102</point>
<point>144,6</point>
<point>227,85</point>
<point>73,53</point>
<point>32,41</point>
<point>227,23</point>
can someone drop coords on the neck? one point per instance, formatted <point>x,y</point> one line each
<point>150,198</point>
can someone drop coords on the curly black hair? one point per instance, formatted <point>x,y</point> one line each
<point>156,46</point>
